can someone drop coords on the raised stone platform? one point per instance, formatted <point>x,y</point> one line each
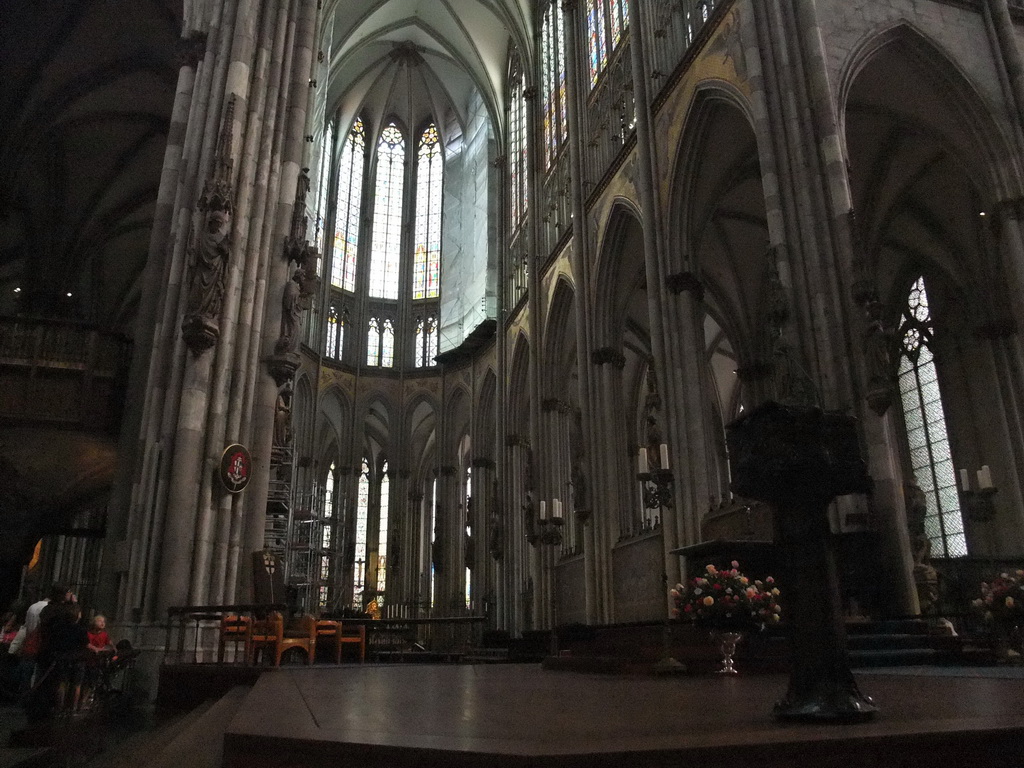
<point>520,715</point>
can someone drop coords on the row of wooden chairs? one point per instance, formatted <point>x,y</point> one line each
<point>274,636</point>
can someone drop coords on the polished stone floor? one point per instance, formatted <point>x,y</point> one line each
<point>521,715</point>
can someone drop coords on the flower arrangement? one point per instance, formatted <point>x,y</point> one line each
<point>1002,599</point>
<point>726,599</point>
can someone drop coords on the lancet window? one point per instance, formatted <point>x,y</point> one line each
<point>426,341</point>
<point>556,128</point>
<point>518,192</point>
<point>386,251</point>
<point>927,437</point>
<point>348,207</point>
<point>362,515</point>
<point>606,23</point>
<point>382,534</point>
<point>426,274</point>
<point>334,343</point>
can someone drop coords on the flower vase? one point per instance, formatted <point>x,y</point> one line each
<point>726,642</point>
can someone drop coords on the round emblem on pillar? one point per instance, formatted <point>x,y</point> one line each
<point>235,467</point>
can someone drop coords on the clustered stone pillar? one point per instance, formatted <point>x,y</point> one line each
<point>215,262</point>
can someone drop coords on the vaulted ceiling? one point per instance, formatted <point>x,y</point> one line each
<point>461,47</point>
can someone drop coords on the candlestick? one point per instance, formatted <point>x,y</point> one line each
<point>664,456</point>
<point>965,480</point>
<point>543,511</point>
<point>984,477</point>
<point>642,457</point>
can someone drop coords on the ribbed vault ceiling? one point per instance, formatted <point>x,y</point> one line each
<point>462,46</point>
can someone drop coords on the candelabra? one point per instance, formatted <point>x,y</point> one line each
<point>656,482</point>
<point>979,505</point>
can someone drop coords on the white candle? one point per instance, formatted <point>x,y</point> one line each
<point>543,511</point>
<point>664,456</point>
<point>642,457</point>
<point>965,480</point>
<point>558,508</point>
<point>984,477</point>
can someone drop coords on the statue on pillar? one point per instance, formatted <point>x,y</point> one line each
<point>283,417</point>
<point>210,250</point>
<point>652,408</point>
<point>926,578</point>
<point>878,360</point>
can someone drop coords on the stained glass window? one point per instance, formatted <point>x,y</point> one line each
<point>362,508</point>
<point>517,146</point>
<point>380,343</point>
<point>927,436</point>
<point>382,538</point>
<point>373,342</point>
<point>427,251</point>
<point>606,22</point>
<point>425,342</point>
<point>553,63</point>
<point>347,210</point>
<point>323,184</point>
<point>469,532</point>
<point>385,255</point>
<point>331,346</point>
<point>334,342</point>
<point>387,345</point>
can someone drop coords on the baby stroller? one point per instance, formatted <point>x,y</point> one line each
<point>108,674</point>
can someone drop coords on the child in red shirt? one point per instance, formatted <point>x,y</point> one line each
<point>99,640</point>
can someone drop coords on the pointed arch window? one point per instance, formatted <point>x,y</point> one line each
<point>347,209</point>
<point>469,532</point>
<point>380,343</point>
<point>382,534</point>
<point>518,193</point>
<point>386,252</point>
<point>323,184</point>
<point>927,437</point>
<point>326,539</point>
<point>556,127</point>
<point>362,513</point>
<point>426,271</point>
<point>334,343</point>
<point>426,341</point>
<point>606,23</point>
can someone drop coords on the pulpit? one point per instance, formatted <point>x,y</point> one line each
<point>798,459</point>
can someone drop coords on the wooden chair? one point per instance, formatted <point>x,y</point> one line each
<point>352,633</point>
<point>299,633</point>
<point>234,629</point>
<point>272,634</point>
<point>328,633</point>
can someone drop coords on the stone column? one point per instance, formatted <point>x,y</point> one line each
<point>581,260</point>
<point>301,49</point>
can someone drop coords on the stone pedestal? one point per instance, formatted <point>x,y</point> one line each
<point>798,459</point>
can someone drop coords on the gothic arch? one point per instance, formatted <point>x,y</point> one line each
<point>718,216</point>
<point>965,118</point>
<point>519,390</point>
<point>559,337</point>
<point>620,277</point>
<point>485,417</point>
<point>923,169</point>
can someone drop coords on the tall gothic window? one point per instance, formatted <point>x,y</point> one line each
<point>323,184</point>
<point>362,511</point>
<point>606,21</point>
<point>426,341</point>
<point>469,532</point>
<point>380,343</point>
<point>930,457</point>
<point>347,211</point>
<point>426,271</point>
<point>326,539</point>
<point>556,128</point>
<point>334,343</point>
<point>382,534</point>
<point>518,193</point>
<point>386,253</point>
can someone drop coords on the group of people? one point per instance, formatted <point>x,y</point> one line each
<point>51,661</point>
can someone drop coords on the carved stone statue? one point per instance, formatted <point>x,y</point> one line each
<point>878,358</point>
<point>291,314</point>
<point>926,578</point>
<point>283,417</point>
<point>210,250</point>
